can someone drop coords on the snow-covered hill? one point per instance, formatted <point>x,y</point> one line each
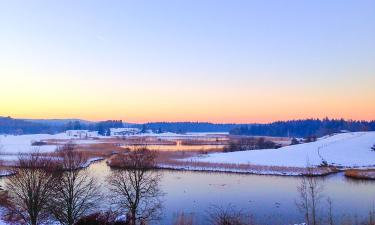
<point>347,149</point>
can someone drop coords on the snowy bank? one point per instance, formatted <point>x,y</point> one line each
<point>13,144</point>
<point>352,150</point>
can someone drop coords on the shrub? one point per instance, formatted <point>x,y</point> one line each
<point>38,143</point>
<point>106,218</point>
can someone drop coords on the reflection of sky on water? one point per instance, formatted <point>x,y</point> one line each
<point>180,147</point>
<point>268,198</point>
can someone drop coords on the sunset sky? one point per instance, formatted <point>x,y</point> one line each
<point>192,60</point>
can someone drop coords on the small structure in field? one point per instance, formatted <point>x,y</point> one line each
<point>81,134</point>
<point>124,131</point>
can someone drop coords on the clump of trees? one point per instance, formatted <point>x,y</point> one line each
<point>60,189</point>
<point>295,141</point>
<point>183,127</point>
<point>303,128</point>
<point>45,188</point>
<point>103,127</point>
<point>10,125</point>
<point>249,143</point>
<point>31,189</point>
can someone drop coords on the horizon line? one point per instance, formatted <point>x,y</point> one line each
<point>192,121</point>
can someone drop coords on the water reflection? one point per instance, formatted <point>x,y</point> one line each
<point>179,146</point>
<point>270,199</point>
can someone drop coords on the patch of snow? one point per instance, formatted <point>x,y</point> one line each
<point>4,173</point>
<point>22,143</point>
<point>13,144</point>
<point>346,150</point>
<point>229,170</point>
<point>91,160</point>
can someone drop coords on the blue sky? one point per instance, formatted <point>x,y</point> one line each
<point>181,56</point>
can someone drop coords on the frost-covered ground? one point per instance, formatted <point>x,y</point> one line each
<point>14,144</point>
<point>347,150</point>
<point>22,143</point>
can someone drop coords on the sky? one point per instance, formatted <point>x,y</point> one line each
<point>194,60</point>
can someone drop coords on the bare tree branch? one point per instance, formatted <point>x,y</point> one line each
<point>135,188</point>
<point>76,193</point>
<point>30,189</point>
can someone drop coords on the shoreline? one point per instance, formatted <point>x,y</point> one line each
<point>244,171</point>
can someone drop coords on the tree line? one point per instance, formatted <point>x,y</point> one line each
<point>13,126</point>
<point>303,128</point>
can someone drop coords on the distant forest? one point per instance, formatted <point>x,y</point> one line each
<point>9,125</point>
<point>303,128</point>
<point>292,128</point>
<point>183,127</point>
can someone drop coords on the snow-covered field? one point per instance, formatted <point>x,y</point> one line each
<point>12,144</point>
<point>189,135</point>
<point>347,150</point>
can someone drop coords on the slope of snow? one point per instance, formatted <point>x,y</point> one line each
<point>348,150</point>
<point>13,144</point>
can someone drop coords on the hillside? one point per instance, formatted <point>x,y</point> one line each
<point>9,125</point>
<point>347,150</point>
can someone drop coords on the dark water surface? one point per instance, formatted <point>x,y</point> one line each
<point>269,199</point>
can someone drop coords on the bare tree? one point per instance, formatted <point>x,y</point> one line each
<point>135,188</point>
<point>183,219</point>
<point>218,215</point>
<point>310,191</point>
<point>303,203</point>
<point>1,152</point>
<point>1,147</point>
<point>1,160</point>
<point>30,189</point>
<point>330,211</point>
<point>371,216</point>
<point>76,193</point>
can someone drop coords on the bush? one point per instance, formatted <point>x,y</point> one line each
<point>294,141</point>
<point>106,218</point>
<point>250,143</point>
<point>38,143</point>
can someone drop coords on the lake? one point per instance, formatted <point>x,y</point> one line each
<point>269,199</point>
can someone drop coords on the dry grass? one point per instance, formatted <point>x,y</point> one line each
<point>171,160</point>
<point>361,174</point>
<point>184,219</point>
<point>218,141</point>
<point>246,168</point>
